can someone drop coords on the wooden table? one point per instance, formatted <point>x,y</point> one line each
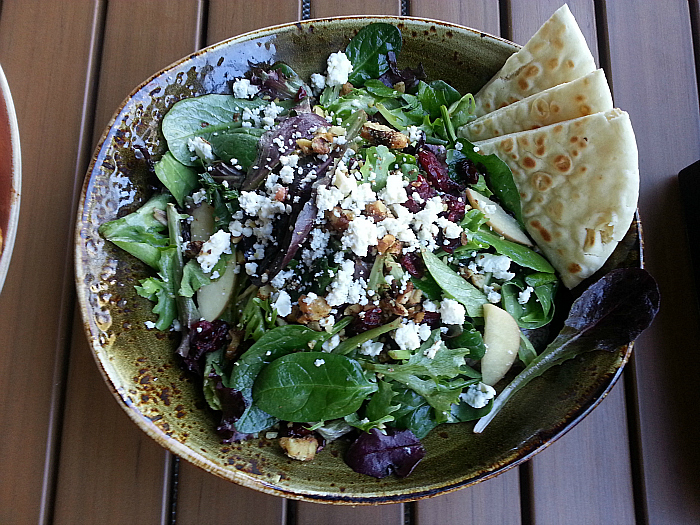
<point>69,454</point>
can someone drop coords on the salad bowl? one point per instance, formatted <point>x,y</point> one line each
<point>139,365</point>
<point>10,176</point>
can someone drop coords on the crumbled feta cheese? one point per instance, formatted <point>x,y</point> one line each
<point>331,343</point>
<point>218,243</point>
<point>199,196</point>
<point>319,362</point>
<point>318,82</point>
<point>394,191</point>
<point>360,235</point>
<point>251,268</point>
<point>283,304</point>
<point>242,88</point>
<point>327,323</point>
<point>327,198</point>
<point>433,349</point>
<point>414,133</point>
<point>410,335</point>
<point>496,265</point>
<point>371,348</point>
<point>344,289</point>
<point>524,296</point>
<point>202,149</point>
<point>150,324</point>
<point>452,312</point>
<point>492,295</point>
<point>339,69</point>
<point>478,395</point>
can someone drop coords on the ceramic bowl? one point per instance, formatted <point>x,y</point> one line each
<point>10,176</point>
<point>139,366</point>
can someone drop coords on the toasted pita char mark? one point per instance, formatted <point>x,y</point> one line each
<point>578,182</point>
<point>556,53</point>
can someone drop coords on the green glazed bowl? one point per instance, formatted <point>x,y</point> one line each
<point>139,366</point>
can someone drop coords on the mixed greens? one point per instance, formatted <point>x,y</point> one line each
<point>332,253</point>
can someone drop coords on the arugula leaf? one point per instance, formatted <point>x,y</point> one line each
<point>378,410</point>
<point>161,290</point>
<point>311,386</point>
<point>454,285</point>
<point>367,51</point>
<point>239,144</point>
<point>140,233</point>
<point>378,160</point>
<point>180,180</point>
<point>209,117</point>
<point>609,314</point>
<point>193,278</point>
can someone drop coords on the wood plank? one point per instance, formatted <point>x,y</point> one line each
<point>325,8</point>
<point>472,504</point>
<point>202,497</point>
<point>39,44</point>
<point>495,501</point>
<point>315,513</point>
<point>600,484</point>
<point>227,19</point>
<point>136,465</point>
<point>666,358</point>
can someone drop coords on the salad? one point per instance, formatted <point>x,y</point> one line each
<point>339,262</point>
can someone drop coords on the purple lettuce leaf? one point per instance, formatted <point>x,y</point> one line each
<point>378,455</point>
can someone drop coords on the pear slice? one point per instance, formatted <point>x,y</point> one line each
<point>502,341</point>
<point>202,225</point>
<point>213,298</point>
<point>498,219</point>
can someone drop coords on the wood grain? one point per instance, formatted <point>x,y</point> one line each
<point>110,471</point>
<point>325,8</point>
<point>228,19</point>
<point>35,306</point>
<point>482,16</point>
<point>314,513</point>
<point>666,362</point>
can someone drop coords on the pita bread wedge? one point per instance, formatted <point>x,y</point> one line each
<point>555,54</point>
<point>578,98</point>
<point>578,182</point>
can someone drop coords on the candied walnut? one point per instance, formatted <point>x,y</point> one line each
<point>338,219</point>
<point>321,145</point>
<point>392,307</point>
<point>377,210</point>
<point>353,309</point>
<point>233,350</point>
<point>281,194</point>
<point>381,134</point>
<point>386,243</point>
<point>478,280</point>
<point>346,88</point>
<point>312,309</point>
<point>193,249</point>
<point>404,296</point>
<point>400,87</point>
<point>301,448</point>
<point>305,146</point>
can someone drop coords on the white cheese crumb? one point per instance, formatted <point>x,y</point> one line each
<point>212,249</point>
<point>283,304</point>
<point>524,296</point>
<point>371,348</point>
<point>202,149</point>
<point>478,395</point>
<point>150,324</point>
<point>331,343</point>
<point>339,69</point>
<point>433,349</point>
<point>452,312</point>
<point>319,362</point>
<point>242,88</point>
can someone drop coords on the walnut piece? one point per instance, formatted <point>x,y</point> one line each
<point>381,134</point>
<point>301,448</point>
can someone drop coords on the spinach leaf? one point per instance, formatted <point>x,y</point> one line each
<point>454,285</point>
<point>428,286</point>
<point>240,144</point>
<point>414,414</point>
<point>465,412</point>
<point>609,314</point>
<point>435,94</point>
<point>211,378</point>
<point>519,254</point>
<point>499,178</point>
<point>140,233</point>
<point>537,311</point>
<point>208,116</point>
<point>526,352</point>
<point>462,111</point>
<point>161,290</point>
<point>348,104</point>
<point>180,180</point>
<point>367,51</point>
<point>379,89</point>
<point>272,345</point>
<point>377,411</point>
<point>470,339</point>
<point>311,386</point>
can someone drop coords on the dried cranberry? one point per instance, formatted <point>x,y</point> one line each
<point>366,320</point>
<point>413,264</point>
<point>449,245</point>
<point>436,172</point>
<point>418,191</point>
<point>468,171</point>
<point>432,319</point>
<point>456,207</point>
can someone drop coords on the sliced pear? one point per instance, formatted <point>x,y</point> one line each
<point>202,225</point>
<point>213,298</point>
<point>502,340</point>
<point>498,219</point>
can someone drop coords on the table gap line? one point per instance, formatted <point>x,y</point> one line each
<point>505,19</point>
<point>67,311</point>
<point>694,11</point>
<point>526,483</point>
<point>603,40</point>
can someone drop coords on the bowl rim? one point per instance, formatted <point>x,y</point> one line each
<point>16,180</point>
<point>189,454</point>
